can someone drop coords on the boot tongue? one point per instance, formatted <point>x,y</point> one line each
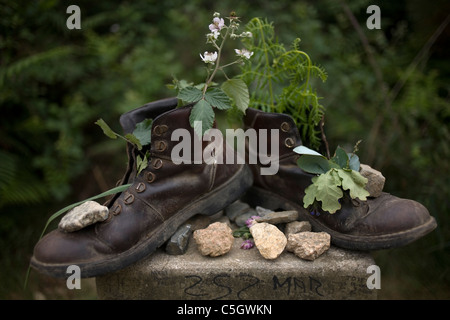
<point>150,110</point>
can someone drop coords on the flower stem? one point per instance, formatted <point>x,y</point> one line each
<point>217,67</point>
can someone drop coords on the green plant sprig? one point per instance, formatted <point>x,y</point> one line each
<point>140,137</point>
<point>207,96</point>
<point>280,80</point>
<point>334,176</point>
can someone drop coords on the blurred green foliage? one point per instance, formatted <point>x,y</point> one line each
<point>388,87</point>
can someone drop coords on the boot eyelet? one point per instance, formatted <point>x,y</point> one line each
<point>157,163</point>
<point>140,187</point>
<point>116,209</point>
<point>160,129</point>
<point>160,146</point>
<point>285,127</point>
<point>150,177</point>
<point>128,199</point>
<point>289,142</point>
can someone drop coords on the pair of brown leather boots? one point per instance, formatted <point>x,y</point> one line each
<point>165,195</point>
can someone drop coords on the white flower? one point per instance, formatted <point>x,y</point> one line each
<point>244,53</point>
<point>246,34</point>
<point>217,25</point>
<point>209,57</point>
<point>212,37</point>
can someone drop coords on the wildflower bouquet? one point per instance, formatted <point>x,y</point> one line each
<point>207,95</point>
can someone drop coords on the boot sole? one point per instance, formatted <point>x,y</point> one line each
<point>208,204</point>
<point>260,197</point>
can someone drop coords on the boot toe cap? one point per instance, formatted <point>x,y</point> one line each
<point>398,215</point>
<point>57,250</point>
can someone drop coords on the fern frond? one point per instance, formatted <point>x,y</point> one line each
<point>278,79</point>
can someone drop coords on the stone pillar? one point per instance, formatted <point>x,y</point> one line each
<point>241,274</point>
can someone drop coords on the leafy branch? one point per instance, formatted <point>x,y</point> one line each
<point>206,97</point>
<point>140,137</point>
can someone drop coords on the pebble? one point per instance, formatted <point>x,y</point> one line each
<point>85,214</point>
<point>269,240</point>
<point>308,245</point>
<point>215,240</point>
<point>277,217</point>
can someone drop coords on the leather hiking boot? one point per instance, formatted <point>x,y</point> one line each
<point>160,199</point>
<point>378,223</point>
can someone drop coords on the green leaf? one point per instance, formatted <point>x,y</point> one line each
<point>106,129</point>
<point>353,162</point>
<point>341,158</point>
<point>131,138</point>
<point>327,190</point>
<point>313,164</point>
<point>355,183</point>
<point>237,90</point>
<point>306,150</point>
<point>143,131</point>
<point>310,194</point>
<point>201,117</point>
<point>242,232</point>
<point>141,164</point>
<point>190,94</point>
<point>217,98</point>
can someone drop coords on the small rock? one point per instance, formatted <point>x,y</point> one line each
<point>216,240</point>
<point>82,216</point>
<point>376,180</point>
<point>308,245</point>
<point>178,243</point>
<point>296,227</point>
<point>279,217</point>
<point>269,240</point>
<point>262,211</point>
<point>236,209</point>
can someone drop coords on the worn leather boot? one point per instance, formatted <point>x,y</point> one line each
<point>161,198</point>
<point>378,223</point>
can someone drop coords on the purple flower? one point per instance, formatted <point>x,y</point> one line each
<point>247,244</point>
<point>315,213</point>
<point>251,221</point>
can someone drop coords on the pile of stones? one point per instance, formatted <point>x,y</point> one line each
<point>272,233</point>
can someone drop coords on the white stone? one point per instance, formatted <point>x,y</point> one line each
<point>269,240</point>
<point>88,213</point>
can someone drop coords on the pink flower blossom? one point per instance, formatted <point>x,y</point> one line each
<point>251,221</point>
<point>247,244</point>
<point>217,25</point>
